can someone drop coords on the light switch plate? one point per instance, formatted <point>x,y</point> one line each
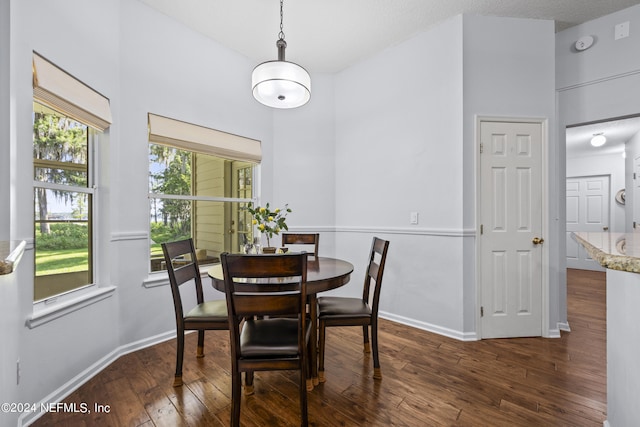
<point>622,30</point>
<point>413,218</point>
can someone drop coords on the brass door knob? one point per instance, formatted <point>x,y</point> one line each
<point>538,240</point>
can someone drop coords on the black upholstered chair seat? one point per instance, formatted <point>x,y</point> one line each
<point>208,311</point>
<point>340,306</point>
<point>270,338</point>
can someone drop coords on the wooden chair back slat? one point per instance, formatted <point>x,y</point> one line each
<point>302,239</point>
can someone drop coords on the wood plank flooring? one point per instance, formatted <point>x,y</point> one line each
<point>428,380</point>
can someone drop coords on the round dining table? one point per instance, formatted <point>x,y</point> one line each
<point>323,274</point>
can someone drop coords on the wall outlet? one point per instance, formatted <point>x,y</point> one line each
<point>622,30</point>
<point>413,218</point>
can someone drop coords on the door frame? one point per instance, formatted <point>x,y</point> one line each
<point>544,126</point>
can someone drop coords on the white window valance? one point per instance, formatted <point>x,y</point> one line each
<point>61,91</point>
<point>187,136</point>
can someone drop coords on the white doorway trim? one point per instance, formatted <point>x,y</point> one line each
<point>546,332</point>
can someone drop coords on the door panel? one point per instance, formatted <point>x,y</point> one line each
<point>587,210</point>
<point>511,217</point>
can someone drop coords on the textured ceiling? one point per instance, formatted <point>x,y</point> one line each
<point>331,35</point>
<point>617,133</point>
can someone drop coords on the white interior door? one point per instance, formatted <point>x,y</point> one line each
<point>588,206</point>
<point>511,195</point>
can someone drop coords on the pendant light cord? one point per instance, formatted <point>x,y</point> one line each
<point>281,34</point>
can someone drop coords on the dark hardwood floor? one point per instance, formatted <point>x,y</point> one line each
<point>428,380</point>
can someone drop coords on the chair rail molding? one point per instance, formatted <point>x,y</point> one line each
<point>129,235</point>
<point>447,232</point>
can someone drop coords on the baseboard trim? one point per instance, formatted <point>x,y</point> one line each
<point>451,333</point>
<point>554,333</point>
<point>76,382</point>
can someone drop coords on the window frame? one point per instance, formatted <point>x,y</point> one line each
<point>92,190</point>
<point>192,148</point>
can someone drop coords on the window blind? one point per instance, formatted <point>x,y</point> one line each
<point>59,90</point>
<point>179,134</point>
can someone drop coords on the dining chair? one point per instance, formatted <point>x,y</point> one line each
<point>302,239</point>
<point>268,325</point>
<point>182,266</point>
<point>343,311</point>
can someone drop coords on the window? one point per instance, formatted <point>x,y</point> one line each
<point>200,180</point>
<point>63,203</point>
<point>68,117</point>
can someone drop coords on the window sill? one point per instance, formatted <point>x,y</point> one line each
<point>46,315</point>
<point>156,279</point>
<point>10,254</point>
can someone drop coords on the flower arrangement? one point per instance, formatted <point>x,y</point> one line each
<point>269,222</point>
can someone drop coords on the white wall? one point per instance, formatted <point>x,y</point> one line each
<point>143,62</point>
<point>9,322</point>
<point>405,138</point>
<point>169,70</point>
<point>54,353</point>
<point>399,150</point>
<point>304,164</point>
<point>4,120</point>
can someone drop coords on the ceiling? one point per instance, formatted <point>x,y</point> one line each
<point>330,35</point>
<point>327,36</point>
<point>616,131</point>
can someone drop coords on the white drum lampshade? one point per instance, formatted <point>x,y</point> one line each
<point>281,84</point>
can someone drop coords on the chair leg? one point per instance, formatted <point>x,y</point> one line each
<point>321,343</point>
<point>248,383</point>
<point>200,351</point>
<point>377,373</point>
<point>309,364</point>
<point>304,415</point>
<point>177,381</point>
<point>365,337</point>
<point>236,396</point>
<point>308,367</point>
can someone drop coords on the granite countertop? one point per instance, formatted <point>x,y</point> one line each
<point>616,251</point>
<point>10,254</point>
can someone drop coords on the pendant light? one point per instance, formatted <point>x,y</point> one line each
<point>281,84</point>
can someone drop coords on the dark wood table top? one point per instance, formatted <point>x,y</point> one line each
<point>323,274</point>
